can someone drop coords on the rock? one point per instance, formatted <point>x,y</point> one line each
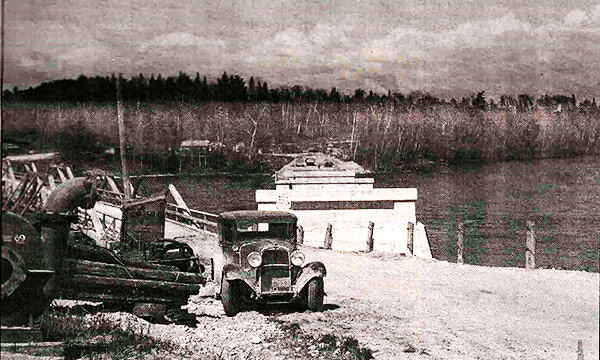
<point>255,340</point>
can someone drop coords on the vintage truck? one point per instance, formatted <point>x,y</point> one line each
<point>262,262</point>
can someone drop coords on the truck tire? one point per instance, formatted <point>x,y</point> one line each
<point>230,297</point>
<point>314,294</point>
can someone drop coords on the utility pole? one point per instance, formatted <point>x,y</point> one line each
<point>3,20</point>
<point>122,142</point>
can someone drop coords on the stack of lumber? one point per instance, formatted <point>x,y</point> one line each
<point>94,273</point>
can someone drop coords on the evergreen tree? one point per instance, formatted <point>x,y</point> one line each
<point>251,89</point>
<point>334,95</point>
<point>479,101</point>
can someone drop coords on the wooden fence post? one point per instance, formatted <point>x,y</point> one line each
<point>370,237</point>
<point>580,350</point>
<point>530,246</point>
<point>410,243</point>
<point>328,237</point>
<point>300,239</point>
<point>459,242</point>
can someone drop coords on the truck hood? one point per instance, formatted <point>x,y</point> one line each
<point>259,245</point>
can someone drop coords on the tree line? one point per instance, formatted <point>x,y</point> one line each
<point>230,88</point>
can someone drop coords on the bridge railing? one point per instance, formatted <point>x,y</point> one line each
<point>199,219</point>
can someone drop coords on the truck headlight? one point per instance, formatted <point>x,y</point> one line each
<point>297,258</point>
<point>254,259</point>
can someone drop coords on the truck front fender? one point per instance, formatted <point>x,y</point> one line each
<point>307,273</point>
<point>232,272</point>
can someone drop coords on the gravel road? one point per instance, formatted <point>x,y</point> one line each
<point>401,308</point>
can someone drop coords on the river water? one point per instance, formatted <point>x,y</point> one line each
<point>561,196</point>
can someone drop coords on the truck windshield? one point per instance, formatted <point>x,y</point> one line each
<point>252,230</point>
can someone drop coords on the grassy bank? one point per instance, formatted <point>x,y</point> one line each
<point>383,136</point>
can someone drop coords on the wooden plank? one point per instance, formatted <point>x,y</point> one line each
<point>178,198</point>
<point>87,267</point>
<point>69,173</point>
<point>113,185</point>
<point>61,175</point>
<point>96,253</point>
<point>98,228</point>
<point>33,157</point>
<point>178,215</point>
<point>11,174</point>
<point>137,284</point>
<point>51,182</point>
<point>43,191</point>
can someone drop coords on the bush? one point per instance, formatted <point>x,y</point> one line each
<point>78,144</point>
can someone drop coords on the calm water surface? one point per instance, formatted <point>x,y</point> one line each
<point>562,197</point>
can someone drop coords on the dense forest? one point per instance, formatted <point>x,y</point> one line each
<point>233,88</point>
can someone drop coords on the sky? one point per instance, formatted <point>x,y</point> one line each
<point>448,48</point>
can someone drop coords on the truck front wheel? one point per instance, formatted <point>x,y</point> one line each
<point>230,297</point>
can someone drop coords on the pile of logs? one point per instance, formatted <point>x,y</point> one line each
<point>94,273</point>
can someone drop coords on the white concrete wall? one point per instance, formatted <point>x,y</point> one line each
<point>349,227</point>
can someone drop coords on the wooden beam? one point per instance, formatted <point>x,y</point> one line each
<point>112,184</point>
<point>86,267</point>
<point>126,284</point>
<point>61,175</point>
<point>122,141</point>
<point>69,173</point>
<point>178,198</point>
<point>51,182</point>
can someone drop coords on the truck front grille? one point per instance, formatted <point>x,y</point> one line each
<point>278,257</point>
